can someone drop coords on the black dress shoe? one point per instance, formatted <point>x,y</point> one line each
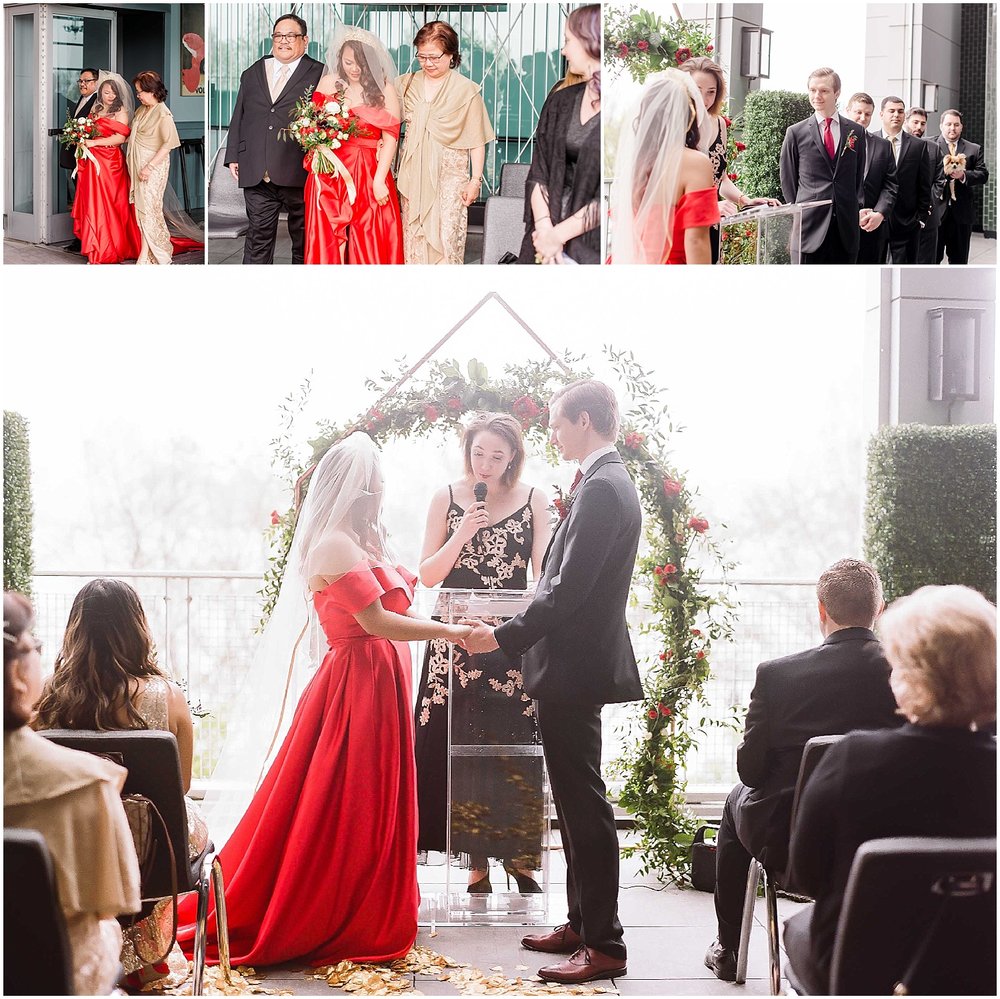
<point>721,962</point>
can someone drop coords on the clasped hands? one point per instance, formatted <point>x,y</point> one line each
<point>869,220</point>
<point>547,242</point>
<point>480,639</point>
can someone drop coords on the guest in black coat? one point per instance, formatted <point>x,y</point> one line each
<point>270,170</point>
<point>841,685</point>
<point>880,185</point>
<point>955,187</point>
<point>936,776</point>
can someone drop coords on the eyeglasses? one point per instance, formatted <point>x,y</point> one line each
<point>86,79</point>
<point>286,38</point>
<point>431,58</point>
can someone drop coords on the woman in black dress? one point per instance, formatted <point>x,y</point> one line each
<point>496,800</point>
<point>563,191</point>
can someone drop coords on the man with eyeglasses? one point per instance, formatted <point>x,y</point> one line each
<point>270,170</point>
<point>78,109</point>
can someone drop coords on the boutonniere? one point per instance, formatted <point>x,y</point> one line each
<point>850,142</point>
<point>561,504</point>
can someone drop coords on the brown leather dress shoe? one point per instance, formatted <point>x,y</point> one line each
<point>585,965</point>
<point>562,940</point>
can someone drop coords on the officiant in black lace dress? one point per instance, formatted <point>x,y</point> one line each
<point>496,800</point>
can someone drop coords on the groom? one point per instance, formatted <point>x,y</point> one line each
<point>577,658</point>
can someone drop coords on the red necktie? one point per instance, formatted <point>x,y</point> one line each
<point>831,150</point>
<point>576,480</point>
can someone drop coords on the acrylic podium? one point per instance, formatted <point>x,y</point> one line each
<point>498,801</point>
<point>765,235</point>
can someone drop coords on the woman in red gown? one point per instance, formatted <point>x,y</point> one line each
<point>322,866</point>
<point>103,219</point>
<point>357,223</point>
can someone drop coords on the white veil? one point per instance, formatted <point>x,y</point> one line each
<point>124,92</point>
<point>370,52</point>
<point>344,497</point>
<point>648,164</point>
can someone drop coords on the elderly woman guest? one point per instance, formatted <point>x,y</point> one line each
<point>447,129</point>
<point>714,139</point>
<point>106,678</point>
<point>154,135</point>
<point>73,800</point>
<point>935,776</point>
<point>562,204</point>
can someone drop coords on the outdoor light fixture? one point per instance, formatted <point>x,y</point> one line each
<point>755,53</point>
<point>930,97</point>
<point>954,354</point>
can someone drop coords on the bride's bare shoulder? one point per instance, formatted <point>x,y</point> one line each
<point>334,555</point>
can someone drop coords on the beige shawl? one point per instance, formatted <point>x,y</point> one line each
<point>152,129</point>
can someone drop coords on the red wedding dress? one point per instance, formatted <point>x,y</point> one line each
<point>103,219</point>
<point>322,866</point>
<point>372,233</point>
<point>696,208</point>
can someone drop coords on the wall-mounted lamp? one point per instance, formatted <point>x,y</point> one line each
<point>755,53</point>
<point>954,354</point>
<point>930,101</point>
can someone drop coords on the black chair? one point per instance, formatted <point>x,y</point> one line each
<point>919,918</point>
<point>812,753</point>
<point>154,770</point>
<point>37,959</point>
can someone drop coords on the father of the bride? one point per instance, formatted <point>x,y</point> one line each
<point>270,170</point>
<point>577,658</point>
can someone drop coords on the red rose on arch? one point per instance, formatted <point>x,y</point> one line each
<point>275,518</point>
<point>699,654</point>
<point>682,55</point>
<point>664,710</point>
<point>728,121</point>
<point>741,146</point>
<point>709,48</point>
<point>652,714</point>
<point>431,413</point>
<point>698,524</point>
<point>454,403</point>
<point>525,409</point>
<point>642,46</point>
<point>633,439</point>
<point>671,488</point>
<point>623,50</point>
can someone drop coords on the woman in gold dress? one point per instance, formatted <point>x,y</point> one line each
<point>447,129</point>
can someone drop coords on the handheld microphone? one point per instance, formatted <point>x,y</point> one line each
<point>479,491</point>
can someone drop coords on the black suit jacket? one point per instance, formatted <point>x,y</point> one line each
<point>573,636</point>
<point>808,174</point>
<point>913,181</point>
<point>254,140</point>
<point>915,781</point>
<point>67,157</point>
<point>963,208</point>
<point>841,685</point>
<point>881,185</point>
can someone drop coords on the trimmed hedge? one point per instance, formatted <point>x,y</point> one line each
<point>766,116</point>
<point>18,561</point>
<point>931,514</point>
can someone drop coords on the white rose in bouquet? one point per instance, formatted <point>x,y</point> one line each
<point>332,107</point>
<point>302,122</point>
<point>81,121</point>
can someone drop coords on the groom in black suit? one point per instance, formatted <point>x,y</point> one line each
<point>577,658</point>
<point>269,169</point>
<point>823,159</point>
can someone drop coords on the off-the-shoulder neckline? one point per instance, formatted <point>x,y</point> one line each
<point>362,562</point>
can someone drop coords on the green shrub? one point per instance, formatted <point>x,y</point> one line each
<point>766,116</point>
<point>18,563</point>
<point>931,514</point>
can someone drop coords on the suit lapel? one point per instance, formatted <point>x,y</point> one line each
<point>293,87</point>
<point>847,127</point>
<point>261,74</point>
<point>817,137</point>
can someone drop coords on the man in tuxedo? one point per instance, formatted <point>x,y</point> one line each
<point>823,159</point>
<point>78,109</point>
<point>841,685</point>
<point>913,178</point>
<point>957,181</point>
<point>916,122</point>
<point>577,657</point>
<point>270,170</point>
<point>880,184</point>
<point>916,125</point>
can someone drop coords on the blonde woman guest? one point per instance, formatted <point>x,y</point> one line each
<point>447,129</point>
<point>154,135</point>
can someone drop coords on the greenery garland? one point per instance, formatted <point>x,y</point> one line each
<point>642,42</point>
<point>667,583</point>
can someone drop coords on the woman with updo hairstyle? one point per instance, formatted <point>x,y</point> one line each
<point>447,129</point>
<point>73,800</point>
<point>481,545</point>
<point>106,679</point>
<point>935,776</point>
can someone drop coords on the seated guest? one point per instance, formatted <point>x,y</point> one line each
<point>73,800</point>
<point>841,685</point>
<point>881,184</point>
<point>935,776</point>
<point>106,678</point>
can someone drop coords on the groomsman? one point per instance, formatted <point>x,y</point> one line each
<point>880,185</point>
<point>823,159</point>
<point>79,109</point>
<point>913,178</point>
<point>270,171</point>
<point>916,122</point>
<point>957,196</point>
<point>916,125</point>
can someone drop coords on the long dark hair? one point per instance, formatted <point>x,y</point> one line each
<point>117,104</point>
<point>374,95</point>
<point>106,647</point>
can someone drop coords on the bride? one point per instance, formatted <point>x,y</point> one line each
<point>322,865</point>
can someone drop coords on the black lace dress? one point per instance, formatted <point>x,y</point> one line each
<point>497,799</point>
<point>716,152</point>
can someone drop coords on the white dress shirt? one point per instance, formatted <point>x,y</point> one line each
<point>588,463</point>
<point>834,128</point>
<point>272,65</point>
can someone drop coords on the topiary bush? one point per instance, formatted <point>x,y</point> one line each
<point>18,562</point>
<point>931,514</point>
<point>766,116</point>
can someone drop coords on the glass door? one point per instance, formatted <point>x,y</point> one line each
<point>20,174</point>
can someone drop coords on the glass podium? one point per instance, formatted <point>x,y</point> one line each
<point>765,235</point>
<point>497,796</point>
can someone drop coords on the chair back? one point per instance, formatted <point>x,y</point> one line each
<point>503,228</point>
<point>227,211</point>
<point>513,179</point>
<point>919,911</point>
<point>154,770</point>
<point>37,959</point>
<point>813,751</point>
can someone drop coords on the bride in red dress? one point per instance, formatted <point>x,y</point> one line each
<point>357,223</point>
<point>664,199</point>
<point>322,865</point>
<point>103,219</point>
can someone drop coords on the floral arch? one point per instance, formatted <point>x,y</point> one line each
<point>677,550</point>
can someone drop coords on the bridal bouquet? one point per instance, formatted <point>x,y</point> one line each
<point>321,124</point>
<point>76,130</point>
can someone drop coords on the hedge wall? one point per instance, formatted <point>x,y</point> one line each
<point>766,115</point>
<point>931,513</point>
<point>18,562</point>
